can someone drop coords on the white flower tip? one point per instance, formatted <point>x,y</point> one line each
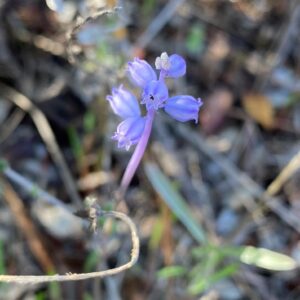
<point>163,62</point>
<point>164,56</point>
<point>157,63</point>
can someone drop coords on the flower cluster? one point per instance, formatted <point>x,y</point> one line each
<point>135,128</point>
<point>155,95</point>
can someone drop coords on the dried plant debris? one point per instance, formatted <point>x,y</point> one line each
<point>215,204</point>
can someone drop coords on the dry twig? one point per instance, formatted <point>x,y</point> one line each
<point>11,123</point>
<point>27,227</point>
<point>82,276</point>
<point>30,187</point>
<point>158,23</point>
<point>273,188</point>
<point>241,178</point>
<point>287,34</point>
<point>44,196</point>
<point>286,173</point>
<point>48,137</point>
<point>71,35</point>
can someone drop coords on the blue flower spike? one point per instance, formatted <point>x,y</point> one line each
<point>136,129</point>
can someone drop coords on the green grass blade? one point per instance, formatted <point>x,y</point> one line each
<point>171,272</point>
<point>156,235</point>
<point>202,283</point>
<point>89,121</point>
<point>2,258</point>
<point>75,142</point>
<point>175,202</point>
<point>91,262</point>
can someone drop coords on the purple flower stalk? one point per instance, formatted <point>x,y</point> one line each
<point>136,129</point>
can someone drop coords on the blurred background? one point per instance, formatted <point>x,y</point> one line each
<point>214,219</point>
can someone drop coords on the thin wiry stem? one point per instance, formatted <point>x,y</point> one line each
<point>82,276</point>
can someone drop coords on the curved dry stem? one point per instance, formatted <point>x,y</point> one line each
<point>47,134</point>
<point>32,279</point>
<point>71,35</point>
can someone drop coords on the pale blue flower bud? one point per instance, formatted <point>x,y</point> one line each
<point>155,94</point>
<point>129,132</point>
<point>178,66</point>
<point>173,66</point>
<point>141,72</point>
<point>183,108</point>
<point>123,103</point>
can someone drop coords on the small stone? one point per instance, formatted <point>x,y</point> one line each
<point>227,221</point>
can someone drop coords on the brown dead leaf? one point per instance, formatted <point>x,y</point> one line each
<point>215,108</point>
<point>260,109</point>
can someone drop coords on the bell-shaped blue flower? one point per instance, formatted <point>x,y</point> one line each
<point>178,66</point>
<point>155,94</point>
<point>123,103</point>
<point>129,132</point>
<point>141,72</point>
<point>183,108</point>
<point>173,66</point>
